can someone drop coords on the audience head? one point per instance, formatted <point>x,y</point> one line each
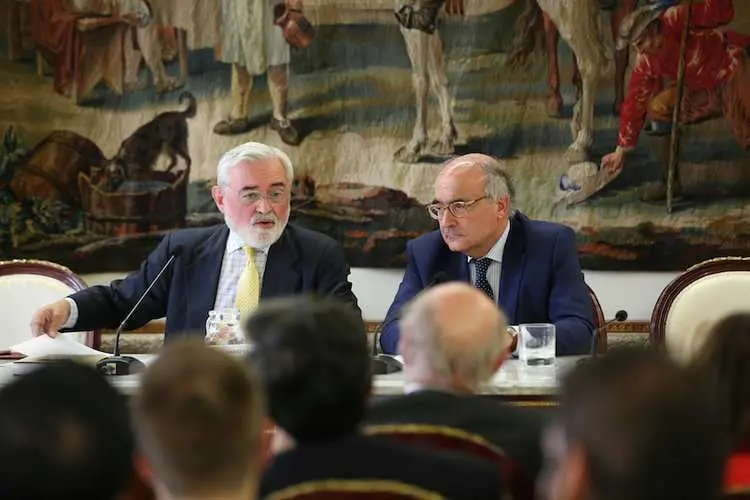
<point>633,424</point>
<point>725,357</point>
<point>472,203</point>
<point>452,337</point>
<point>312,356</point>
<point>64,433</point>
<point>253,191</point>
<point>198,419</point>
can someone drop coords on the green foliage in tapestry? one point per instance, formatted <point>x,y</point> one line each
<point>28,221</point>
<point>11,151</point>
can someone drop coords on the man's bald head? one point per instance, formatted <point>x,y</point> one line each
<point>452,335</point>
<point>481,169</point>
<point>472,203</point>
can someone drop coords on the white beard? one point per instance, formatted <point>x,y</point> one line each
<point>256,237</point>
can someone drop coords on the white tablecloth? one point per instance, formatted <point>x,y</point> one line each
<point>513,379</point>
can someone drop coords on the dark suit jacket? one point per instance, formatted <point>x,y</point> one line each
<point>540,282</point>
<point>300,261</point>
<point>361,457</point>
<point>517,431</point>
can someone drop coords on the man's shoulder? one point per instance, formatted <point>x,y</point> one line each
<point>398,407</point>
<point>386,459</point>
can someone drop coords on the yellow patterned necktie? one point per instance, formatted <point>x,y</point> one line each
<point>248,286</point>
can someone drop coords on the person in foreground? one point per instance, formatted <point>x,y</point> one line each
<point>64,433</point>
<point>253,256</point>
<point>198,420</point>
<point>632,424</point>
<point>724,359</point>
<point>530,268</point>
<point>452,341</point>
<point>313,359</point>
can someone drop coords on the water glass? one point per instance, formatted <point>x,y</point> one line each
<point>536,344</point>
<point>223,327</point>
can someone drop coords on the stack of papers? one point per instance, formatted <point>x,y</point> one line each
<point>59,346</point>
<point>44,348</point>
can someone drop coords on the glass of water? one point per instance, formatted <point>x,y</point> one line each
<point>536,344</point>
<point>223,327</point>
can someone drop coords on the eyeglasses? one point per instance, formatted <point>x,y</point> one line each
<point>458,209</point>
<point>273,197</point>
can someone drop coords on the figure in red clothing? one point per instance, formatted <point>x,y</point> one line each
<point>717,76</point>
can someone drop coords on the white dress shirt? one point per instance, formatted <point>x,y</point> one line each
<point>231,268</point>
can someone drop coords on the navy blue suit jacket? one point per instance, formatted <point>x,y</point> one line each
<point>301,261</point>
<point>540,281</point>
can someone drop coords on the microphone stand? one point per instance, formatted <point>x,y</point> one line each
<point>128,365</point>
<point>619,317</point>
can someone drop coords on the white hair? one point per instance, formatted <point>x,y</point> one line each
<point>472,367</point>
<point>497,181</point>
<point>251,152</point>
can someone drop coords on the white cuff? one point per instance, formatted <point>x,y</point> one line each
<point>73,316</point>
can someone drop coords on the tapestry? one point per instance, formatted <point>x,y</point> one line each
<point>114,114</point>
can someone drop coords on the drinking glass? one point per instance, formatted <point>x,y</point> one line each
<point>223,327</point>
<point>536,343</point>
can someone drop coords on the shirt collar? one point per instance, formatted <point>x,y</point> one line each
<point>235,243</point>
<point>496,252</point>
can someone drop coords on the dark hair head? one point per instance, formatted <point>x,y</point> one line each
<point>312,356</point>
<point>725,358</point>
<point>645,424</point>
<point>64,433</point>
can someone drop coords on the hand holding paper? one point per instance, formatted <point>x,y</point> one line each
<point>50,318</point>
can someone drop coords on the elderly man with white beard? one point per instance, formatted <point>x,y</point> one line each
<point>254,256</point>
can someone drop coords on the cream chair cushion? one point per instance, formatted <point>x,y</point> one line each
<point>699,306</point>
<point>20,296</point>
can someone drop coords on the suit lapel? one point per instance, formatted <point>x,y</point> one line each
<point>203,273</point>
<point>458,267</point>
<point>514,261</point>
<point>282,274</point>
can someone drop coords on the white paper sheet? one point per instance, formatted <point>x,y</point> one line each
<point>44,345</point>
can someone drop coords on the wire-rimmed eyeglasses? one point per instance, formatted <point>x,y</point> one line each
<point>458,209</point>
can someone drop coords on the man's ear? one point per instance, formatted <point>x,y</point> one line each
<point>218,195</point>
<point>503,204</point>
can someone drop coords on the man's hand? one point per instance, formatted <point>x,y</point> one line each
<point>50,318</point>
<point>613,161</point>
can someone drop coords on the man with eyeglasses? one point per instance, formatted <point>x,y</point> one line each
<point>255,255</point>
<point>530,268</point>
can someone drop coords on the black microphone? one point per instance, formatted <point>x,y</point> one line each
<point>440,277</point>
<point>126,365</point>
<point>620,315</point>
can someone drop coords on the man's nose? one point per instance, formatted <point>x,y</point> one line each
<point>447,218</point>
<point>264,206</point>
